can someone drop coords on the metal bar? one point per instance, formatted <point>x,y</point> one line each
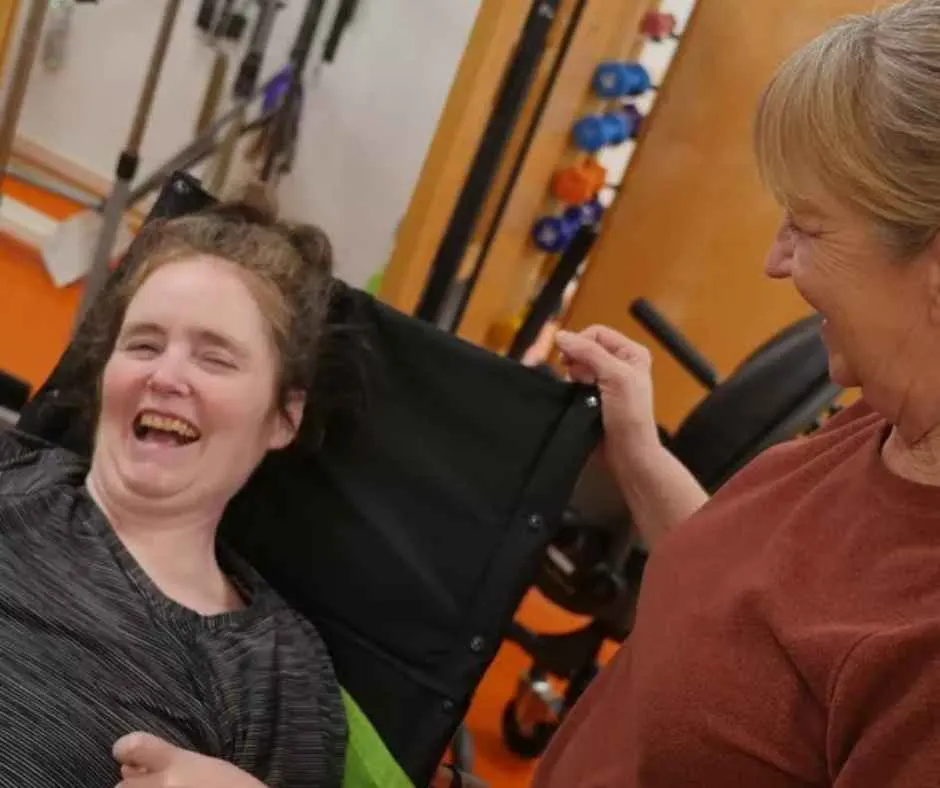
<point>127,165</point>
<point>518,80</point>
<point>16,96</point>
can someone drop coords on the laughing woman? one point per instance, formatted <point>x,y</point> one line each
<point>132,646</point>
<point>788,630</point>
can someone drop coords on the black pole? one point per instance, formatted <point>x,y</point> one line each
<point>516,85</point>
<point>457,316</point>
<point>549,299</point>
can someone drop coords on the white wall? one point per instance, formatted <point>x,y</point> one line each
<point>367,125</point>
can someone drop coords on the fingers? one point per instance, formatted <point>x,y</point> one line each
<point>598,352</point>
<point>616,343</point>
<point>144,752</point>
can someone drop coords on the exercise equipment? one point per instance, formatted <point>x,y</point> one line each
<point>658,25</point>
<point>490,449</point>
<point>594,566</point>
<point>553,233</point>
<point>245,85</point>
<point>617,80</point>
<point>594,132</point>
<point>579,183</point>
<point>128,162</point>
<point>220,19</point>
<point>218,76</point>
<point>22,68</point>
<point>549,298</point>
<point>519,75</point>
<point>58,28</point>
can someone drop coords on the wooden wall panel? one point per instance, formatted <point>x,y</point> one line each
<point>607,28</point>
<point>8,11</point>
<point>450,155</point>
<point>692,222</point>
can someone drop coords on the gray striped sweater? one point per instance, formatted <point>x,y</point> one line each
<point>91,650</point>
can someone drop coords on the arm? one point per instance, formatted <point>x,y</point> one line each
<point>884,726</point>
<point>658,489</point>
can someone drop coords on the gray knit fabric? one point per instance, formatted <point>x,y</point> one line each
<point>90,650</point>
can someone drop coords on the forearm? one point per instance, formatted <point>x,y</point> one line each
<point>659,490</point>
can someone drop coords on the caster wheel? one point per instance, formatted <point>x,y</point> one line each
<point>527,740</point>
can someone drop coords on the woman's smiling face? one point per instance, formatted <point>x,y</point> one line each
<point>189,394</point>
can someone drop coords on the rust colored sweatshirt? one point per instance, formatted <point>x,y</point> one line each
<point>787,635</point>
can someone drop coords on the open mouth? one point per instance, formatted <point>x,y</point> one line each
<point>161,429</point>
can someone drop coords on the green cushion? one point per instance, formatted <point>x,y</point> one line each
<point>369,764</point>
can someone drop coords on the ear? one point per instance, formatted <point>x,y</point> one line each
<point>288,420</point>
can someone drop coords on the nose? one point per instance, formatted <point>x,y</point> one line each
<point>779,262</point>
<point>168,376</point>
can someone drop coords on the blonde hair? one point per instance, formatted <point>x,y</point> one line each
<point>856,112</point>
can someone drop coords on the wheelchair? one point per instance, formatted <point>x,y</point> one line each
<point>594,565</point>
<point>411,546</point>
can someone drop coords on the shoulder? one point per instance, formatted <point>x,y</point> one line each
<point>883,726</point>
<point>29,465</point>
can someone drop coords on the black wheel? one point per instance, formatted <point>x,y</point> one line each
<point>527,740</point>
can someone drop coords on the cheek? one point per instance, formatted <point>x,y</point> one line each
<point>121,385</point>
<point>239,406</point>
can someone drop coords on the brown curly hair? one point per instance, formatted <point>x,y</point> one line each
<point>289,272</point>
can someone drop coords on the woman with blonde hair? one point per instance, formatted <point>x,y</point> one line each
<point>788,631</point>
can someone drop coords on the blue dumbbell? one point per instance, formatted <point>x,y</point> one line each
<point>615,80</point>
<point>593,212</point>
<point>597,131</point>
<point>634,118</point>
<point>554,233</point>
<point>585,213</point>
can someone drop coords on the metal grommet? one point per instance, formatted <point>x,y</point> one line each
<point>592,401</point>
<point>535,522</point>
<point>477,644</point>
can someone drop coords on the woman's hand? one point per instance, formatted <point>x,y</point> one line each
<point>149,762</point>
<point>621,370</point>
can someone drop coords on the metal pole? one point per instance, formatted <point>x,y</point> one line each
<point>127,167</point>
<point>13,107</point>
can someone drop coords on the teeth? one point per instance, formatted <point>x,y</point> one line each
<point>168,424</point>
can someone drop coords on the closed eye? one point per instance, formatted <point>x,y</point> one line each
<point>216,361</point>
<point>140,348</point>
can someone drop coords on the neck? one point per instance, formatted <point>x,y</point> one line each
<point>176,548</point>
<point>912,450</point>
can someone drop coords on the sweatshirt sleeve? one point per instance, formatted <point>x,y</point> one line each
<point>884,720</point>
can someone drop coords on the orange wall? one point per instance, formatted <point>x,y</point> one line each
<point>692,223</point>
<point>35,316</point>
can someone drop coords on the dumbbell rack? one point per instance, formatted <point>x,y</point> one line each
<point>619,87</point>
<point>495,274</point>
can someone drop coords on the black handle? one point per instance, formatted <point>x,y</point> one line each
<point>549,299</point>
<point>344,16</point>
<point>300,52</point>
<point>672,340</point>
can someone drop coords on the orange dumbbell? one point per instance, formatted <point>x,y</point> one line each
<point>579,183</point>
